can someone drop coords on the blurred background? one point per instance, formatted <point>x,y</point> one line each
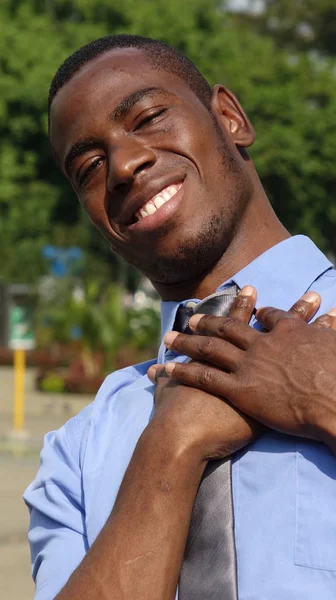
<point>70,310</point>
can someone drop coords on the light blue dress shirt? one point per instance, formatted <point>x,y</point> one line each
<point>284,488</point>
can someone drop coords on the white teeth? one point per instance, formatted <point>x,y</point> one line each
<point>157,201</point>
<point>166,195</point>
<point>150,208</point>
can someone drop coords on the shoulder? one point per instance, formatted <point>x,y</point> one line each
<point>114,383</point>
<point>76,429</point>
<point>64,450</point>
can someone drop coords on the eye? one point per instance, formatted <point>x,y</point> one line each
<point>84,173</point>
<point>149,118</point>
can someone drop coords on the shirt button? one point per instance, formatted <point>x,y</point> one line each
<point>191,304</point>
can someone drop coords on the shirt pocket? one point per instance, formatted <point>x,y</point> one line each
<point>315,534</point>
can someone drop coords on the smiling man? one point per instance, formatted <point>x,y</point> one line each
<point>159,161</point>
<point>146,135</point>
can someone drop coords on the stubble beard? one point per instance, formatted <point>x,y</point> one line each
<point>199,254</point>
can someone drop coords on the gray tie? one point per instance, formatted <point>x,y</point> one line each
<point>209,565</point>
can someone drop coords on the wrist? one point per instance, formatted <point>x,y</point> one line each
<point>170,446</point>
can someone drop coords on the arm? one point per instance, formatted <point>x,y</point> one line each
<point>138,553</point>
<point>56,533</point>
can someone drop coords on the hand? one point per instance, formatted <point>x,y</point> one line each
<point>285,378</point>
<point>200,420</point>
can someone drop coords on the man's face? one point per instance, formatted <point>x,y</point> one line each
<point>157,172</point>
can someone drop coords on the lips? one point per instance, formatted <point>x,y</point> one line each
<point>150,207</point>
<point>149,200</point>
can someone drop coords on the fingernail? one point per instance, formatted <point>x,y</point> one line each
<point>170,366</point>
<point>194,320</point>
<point>151,374</point>
<point>170,337</point>
<point>332,312</point>
<point>311,297</point>
<point>247,290</point>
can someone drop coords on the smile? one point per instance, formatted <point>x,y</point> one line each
<point>155,203</point>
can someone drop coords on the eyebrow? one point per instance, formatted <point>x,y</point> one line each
<point>119,113</point>
<point>124,107</point>
<point>78,149</point>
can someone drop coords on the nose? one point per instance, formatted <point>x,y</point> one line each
<point>126,162</point>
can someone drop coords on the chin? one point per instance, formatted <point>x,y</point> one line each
<point>191,259</point>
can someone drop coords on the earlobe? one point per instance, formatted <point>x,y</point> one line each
<point>231,116</point>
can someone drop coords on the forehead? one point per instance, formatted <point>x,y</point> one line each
<point>81,106</point>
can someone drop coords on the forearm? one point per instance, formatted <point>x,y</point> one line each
<point>139,552</point>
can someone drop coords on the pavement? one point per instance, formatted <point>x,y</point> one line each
<point>19,461</point>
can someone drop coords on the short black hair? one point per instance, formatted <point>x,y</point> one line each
<point>159,54</point>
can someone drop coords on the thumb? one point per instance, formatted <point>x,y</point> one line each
<point>156,371</point>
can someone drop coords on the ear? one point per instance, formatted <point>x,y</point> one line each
<point>231,116</point>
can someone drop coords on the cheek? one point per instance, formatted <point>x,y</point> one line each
<point>95,206</point>
<point>205,149</point>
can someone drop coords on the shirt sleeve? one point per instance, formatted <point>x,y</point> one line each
<point>57,524</point>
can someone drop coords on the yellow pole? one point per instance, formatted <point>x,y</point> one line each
<point>19,382</point>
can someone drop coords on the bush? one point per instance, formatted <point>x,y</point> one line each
<point>52,382</point>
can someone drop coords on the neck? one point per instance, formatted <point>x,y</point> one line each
<point>259,230</point>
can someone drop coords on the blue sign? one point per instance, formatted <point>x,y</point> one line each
<point>62,260</point>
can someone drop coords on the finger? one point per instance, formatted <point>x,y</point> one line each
<point>203,377</point>
<point>327,321</point>
<point>155,372</point>
<point>307,306</point>
<point>205,348</point>
<point>243,306</point>
<point>226,328</point>
<point>304,310</point>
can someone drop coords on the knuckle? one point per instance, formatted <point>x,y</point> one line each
<point>325,321</point>
<point>225,326</point>
<point>242,302</point>
<point>204,377</point>
<point>300,309</point>
<point>205,347</point>
<point>286,325</point>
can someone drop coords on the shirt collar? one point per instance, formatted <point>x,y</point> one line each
<point>281,275</point>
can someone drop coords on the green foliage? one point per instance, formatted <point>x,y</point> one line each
<point>288,91</point>
<point>52,383</point>
<point>143,328</point>
<point>96,315</point>
<point>299,24</point>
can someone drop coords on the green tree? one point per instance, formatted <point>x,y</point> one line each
<point>299,25</point>
<point>95,314</point>
<point>289,95</point>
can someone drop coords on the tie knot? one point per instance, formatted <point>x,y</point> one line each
<point>218,304</point>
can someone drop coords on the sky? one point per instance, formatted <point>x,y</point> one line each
<point>242,4</point>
